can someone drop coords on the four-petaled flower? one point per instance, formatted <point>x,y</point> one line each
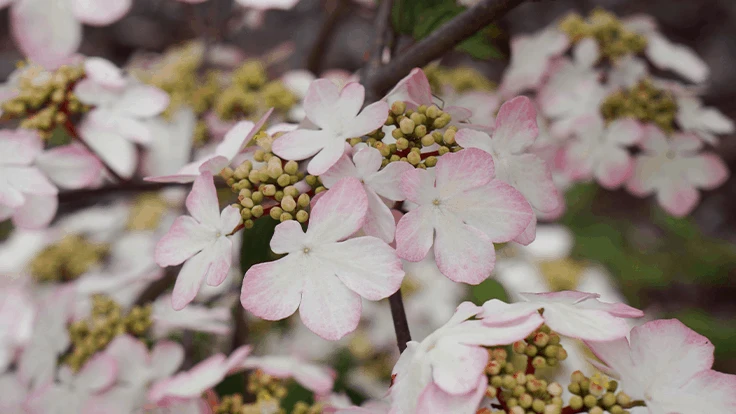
<point>462,210</point>
<point>202,240</point>
<point>668,366</point>
<point>323,274</point>
<point>571,313</point>
<point>377,182</point>
<point>336,113</point>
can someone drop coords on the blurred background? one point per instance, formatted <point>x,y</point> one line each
<point>683,268</point>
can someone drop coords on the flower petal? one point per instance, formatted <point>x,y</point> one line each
<point>98,373</point>
<point>70,166</point>
<point>374,276</point>
<point>434,400</point>
<point>320,103</point>
<point>418,185</point>
<point>463,170</point>
<point>273,290</point>
<point>220,256</point>
<point>202,201</point>
<point>532,177</point>
<point>46,32</point>
<point>29,180</point>
<point>104,73</point>
<point>37,211</point>
<point>516,125</point>
<point>463,253</point>
<point>327,157</point>
<point>614,168</point>
<point>239,136</point>
<point>115,151</point>
<point>100,12</point>
<point>185,238</point>
<point>142,101</point>
<point>706,170</point>
<point>19,147</point>
<point>471,138</point>
<point>300,144</point>
<point>339,213</point>
<point>190,279</point>
<point>709,388</point>
<point>328,307</point>
<point>415,234</point>
<point>678,197</point>
<point>379,221</point>
<point>678,58</point>
<point>457,368</point>
<point>588,325</point>
<point>344,167</point>
<point>387,182</point>
<point>166,358</point>
<point>372,117</point>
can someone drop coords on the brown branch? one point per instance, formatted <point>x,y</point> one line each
<point>382,36</point>
<point>401,325</point>
<point>319,48</point>
<point>125,187</point>
<point>432,47</point>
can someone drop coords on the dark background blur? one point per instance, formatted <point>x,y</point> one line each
<point>680,268</point>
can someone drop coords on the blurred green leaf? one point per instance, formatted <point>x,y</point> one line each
<point>487,290</point>
<point>721,332</point>
<point>233,384</point>
<point>255,248</point>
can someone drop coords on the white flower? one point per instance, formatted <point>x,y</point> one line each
<point>530,57</point>
<point>705,122</point>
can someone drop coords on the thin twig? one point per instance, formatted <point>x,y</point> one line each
<point>440,41</point>
<point>319,48</point>
<point>401,325</point>
<point>382,34</point>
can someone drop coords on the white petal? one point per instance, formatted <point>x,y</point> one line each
<point>379,221</point>
<point>70,166</point>
<point>344,167</point>
<point>457,368</point>
<point>185,238</point>
<point>339,213</point>
<point>47,32</point>
<point>463,253</point>
<point>273,290</point>
<point>219,255</point>
<point>328,307</point>
<point>37,212</point>
<point>189,280</point>
<point>387,182</point>
<point>460,171</point>
<point>100,12</point>
<point>117,152</point>
<point>202,201</point>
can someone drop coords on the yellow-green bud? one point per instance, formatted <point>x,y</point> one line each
<point>303,200</point>
<point>275,213</point>
<point>259,155</point>
<point>285,217</point>
<point>248,224</point>
<point>590,401</point>
<point>398,107</point>
<point>407,126</point>
<point>402,144</point>
<point>284,180</point>
<point>288,203</point>
<point>257,211</point>
<point>302,216</point>
<point>291,167</point>
<point>269,190</point>
<point>420,132</point>
<point>576,402</point>
<point>623,399</point>
<point>279,195</point>
<point>414,158</point>
<point>397,134</point>
<point>246,213</point>
<point>442,121</point>
<point>443,150</point>
<point>433,112</point>
<point>539,362</point>
<point>538,405</point>
<point>247,202</point>
<point>608,399</point>
<point>431,161</point>
<point>257,197</point>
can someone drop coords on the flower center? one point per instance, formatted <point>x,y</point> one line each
<point>306,250</point>
<point>436,201</point>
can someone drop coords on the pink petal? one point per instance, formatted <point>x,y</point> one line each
<point>98,373</point>
<point>471,138</point>
<point>37,212</point>
<point>202,201</point>
<point>496,312</point>
<point>328,307</point>
<point>532,177</point>
<point>350,100</point>
<point>680,59</point>
<point>496,209</point>
<point>220,257</point>
<point>229,219</point>
<point>434,400</point>
<point>526,237</point>
<point>417,185</point>
<point>103,72</point>
<point>589,325</point>
<point>678,198</point>
<point>457,368</point>
<point>273,290</point>
<point>624,132</point>
<point>29,180</point>
<point>379,221</point>
<point>367,161</point>
<point>374,276</point>
<point>239,136</point>
<point>71,166</point>
<point>131,357</point>
<point>300,144</point>
<point>100,12</point>
<point>46,32</point>
<point>190,279</point>
<point>142,101</point>
<point>387,182</point>
<point>327,157</point>
<point>315,378</point>
<point>344,167</point>
<point>614,169</point>
<point>10,197</point>
<point>460,171</point>
<point>516,125</point>
<point>369,119</point>
<point>463,253</point>
<point>19,147</point>
<point>288,237</point>
<point>320,103</point>
<point>115,151</point>
<point>658,343</point>
<point>166,357</point>
<point>192,383</point>
<point>339,213</point>
<point>185,238</point>
<point>415,234</point>
<point>414,89</point>
<point>715,388</point>
<point>706,170</point>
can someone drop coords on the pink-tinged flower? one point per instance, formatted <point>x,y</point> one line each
<point>202,240</point>
<point>194,317</point>
<point>234,142</point>
<point>514,134</point>
<point>667,55</point>
<point>673,169</point>
<point>82,392</point>
<point>17,315</point>
<point>600,152</point>
<point>378,184</point>
<point>15,395</point>
<point>445,372</point>
<point>415,90</point>
<point>337,113</point>
<point>71,166</point>
<point>530,58</point>
<point>316,378</point>
<point>26,194</point>
<point>189,385</point>
<point>573,90</point>
<point>705,122</point>
<point>323,274</point>
<point>50,339</point>
<point>121,107</point>
<point>571,313</point>
<point>50,31</point>
<point>627,72</point>
<point>668,366</point>
<point>462,211</point>
<point>172,147</point>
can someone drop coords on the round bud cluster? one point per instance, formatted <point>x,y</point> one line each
<point>67,259</point>
<point>644,102</point>
<point>542,348</point>
<point>266,186</point>
<point>302,407</point>
<point>526,394</point>
<point>106,321</point>
<point>45,99</point>
<point>597,394</point>
<point>146,212</point>
<point>460,79</point>
<point>250,92</point>
<point>562,274</point>
<point>269,392</point>
<point>612,36</point>
<point>229,404</point>
<point>498,363</point>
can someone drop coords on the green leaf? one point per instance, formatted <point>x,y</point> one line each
<point>487,290</point>
<point>480,47</point>
<point>255,248</point>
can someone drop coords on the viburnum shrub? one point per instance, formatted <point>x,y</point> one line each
<point>232,199</point>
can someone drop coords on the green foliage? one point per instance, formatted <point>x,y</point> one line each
<point>487,290</point>
<point>419,18</point>
<point>720,332</point>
